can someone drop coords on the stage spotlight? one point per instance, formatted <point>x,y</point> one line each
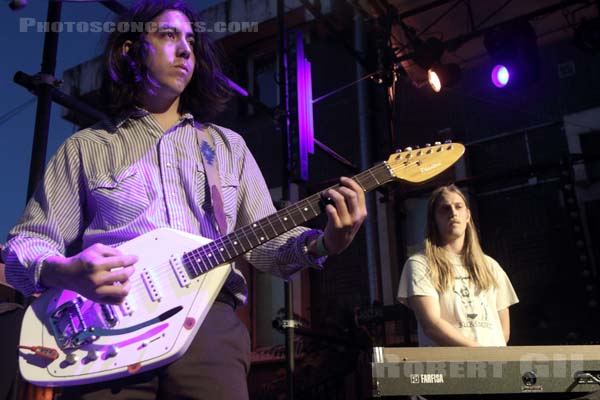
<point>500,76</point>
<point>514,54</point>
<point>443,75</point>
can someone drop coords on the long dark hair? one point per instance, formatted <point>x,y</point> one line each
<point>125,75</point>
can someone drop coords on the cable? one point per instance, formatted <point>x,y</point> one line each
<point>5,117</point>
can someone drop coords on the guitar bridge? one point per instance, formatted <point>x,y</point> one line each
<point>66,322</point>
<point>75,319</point>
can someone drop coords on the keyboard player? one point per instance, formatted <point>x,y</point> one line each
<point>460,296</point>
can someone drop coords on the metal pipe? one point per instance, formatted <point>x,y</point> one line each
<point>44,105</point>
<point>66,100</point>
<point>114,6</point>
<point>334,32</point>
<point>365,160</point>
<point>284,122</point>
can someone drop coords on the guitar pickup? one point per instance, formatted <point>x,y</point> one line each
<point>180,271</point>
<point>150,285</point>
<point>127,307</point>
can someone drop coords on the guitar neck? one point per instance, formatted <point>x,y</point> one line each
<point>234,244</point>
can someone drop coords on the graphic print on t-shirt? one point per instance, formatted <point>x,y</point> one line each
<point>473,311</point>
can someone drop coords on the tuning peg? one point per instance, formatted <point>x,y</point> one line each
<point>437,143</point>
<point>398,151</point>
<point>408,148</point>
<point>417,147</point>
<point>427,144</point>
<point>448,141</point>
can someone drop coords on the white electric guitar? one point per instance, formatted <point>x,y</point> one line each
<point>69,340</point>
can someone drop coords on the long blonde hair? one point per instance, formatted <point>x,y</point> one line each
<point>442,272</point>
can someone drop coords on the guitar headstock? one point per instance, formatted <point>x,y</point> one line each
<point>422,164</point>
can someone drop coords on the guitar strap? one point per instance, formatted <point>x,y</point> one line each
<point>236,283</point>
<point>211,169</point>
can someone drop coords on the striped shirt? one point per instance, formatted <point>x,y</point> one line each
<point>117,180</point>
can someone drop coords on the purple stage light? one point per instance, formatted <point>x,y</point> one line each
<point>305,106</point>
<point>500,76</point>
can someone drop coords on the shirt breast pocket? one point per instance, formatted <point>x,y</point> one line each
<point>121,197</point>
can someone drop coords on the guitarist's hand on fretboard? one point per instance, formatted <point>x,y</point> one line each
<point>346,210</point>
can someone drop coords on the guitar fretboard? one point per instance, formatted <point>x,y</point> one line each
<point>236,243</point>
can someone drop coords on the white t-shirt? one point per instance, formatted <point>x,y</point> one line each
<point>474,312</point>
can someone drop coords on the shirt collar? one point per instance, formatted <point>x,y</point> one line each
<point>138,113</point>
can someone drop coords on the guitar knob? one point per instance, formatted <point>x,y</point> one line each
<point>112,351</point>
<point>529,378</point>
<point>72,358</point>
<point>92,355</point>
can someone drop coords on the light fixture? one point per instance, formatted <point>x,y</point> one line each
<point>514,54</point>
<point>443,75</point>
<point>500,75</point>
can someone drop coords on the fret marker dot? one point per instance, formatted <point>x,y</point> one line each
<point>198,260</point>
<point>221,249</point>
<point>210,255</point>
<point>262,238</point>
<point>254,225</point>
<point>305,209</point>
<point>235,242</point>
<point>285,218</point>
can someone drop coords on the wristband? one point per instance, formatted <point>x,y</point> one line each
<point>37,274</point>
<point>320,246</point>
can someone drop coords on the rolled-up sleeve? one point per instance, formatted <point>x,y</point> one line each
<point>51,221</point>
<point>286,254</point>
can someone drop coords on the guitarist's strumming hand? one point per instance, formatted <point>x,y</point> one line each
<point>100,273</point>
<point>345,216</point>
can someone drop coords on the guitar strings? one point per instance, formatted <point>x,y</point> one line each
<point>296,213</point>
